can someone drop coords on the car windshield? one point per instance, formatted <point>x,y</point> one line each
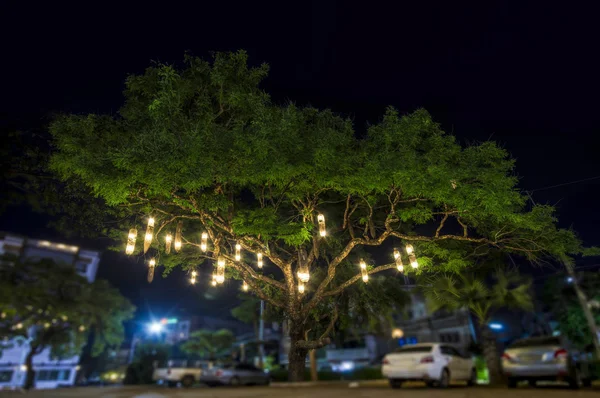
<point>414,349</point>
<point>536,342</point>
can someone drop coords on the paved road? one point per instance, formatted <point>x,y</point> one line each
<point>341,391</point>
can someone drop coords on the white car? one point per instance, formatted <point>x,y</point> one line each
<point>435,364</point>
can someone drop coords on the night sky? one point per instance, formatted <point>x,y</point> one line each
<point>523,74</point>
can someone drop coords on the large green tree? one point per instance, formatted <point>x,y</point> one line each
<point>480,297</point>
<point>204,146</point>
<point>53,307</point>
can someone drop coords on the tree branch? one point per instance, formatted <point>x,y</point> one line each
<point>439,229</point>
<point>356,278</point>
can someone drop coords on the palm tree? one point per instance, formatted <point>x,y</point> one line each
<point>453,292</point>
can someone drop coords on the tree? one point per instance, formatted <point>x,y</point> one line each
<point>209,343</point>
<point>201,148</point>
<point>561,298</point>
<point>470,292</point>
<point>54,307</point>
<point>140,371</point>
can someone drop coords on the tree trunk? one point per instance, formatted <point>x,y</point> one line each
<point>30,375</point>
<point>490,353</point>
<point>297,355</point>
<point>314,376</point>
<point>583,302</point>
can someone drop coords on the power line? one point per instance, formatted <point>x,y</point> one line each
<point>565,183</point>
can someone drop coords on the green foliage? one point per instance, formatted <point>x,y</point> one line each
<point>472,292</point>
<point>561,299</point>
<point>61,306</point>
<point>209,343</point>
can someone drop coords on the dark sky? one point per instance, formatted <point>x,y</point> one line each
<point>523,74</point>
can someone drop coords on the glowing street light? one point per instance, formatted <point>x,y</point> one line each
<point>155,327</point>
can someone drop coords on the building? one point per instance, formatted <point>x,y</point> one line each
<point>50,372</point>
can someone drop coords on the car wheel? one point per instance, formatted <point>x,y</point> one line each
<point>575,380</point>
<point>395,383</point>
<point>473,379</point>
<point>444,379</point>
<point>187,381</point>
<point>234,381</point>
<point>511,383</point>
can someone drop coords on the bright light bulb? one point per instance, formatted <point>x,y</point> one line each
<point>409,249</point>
<point>363,265</point>
<point>194,273</point>
<point>396,253</point>
<point>152,262</point>
<point>301,288</point>
<point>303,276</point>
<point>148,237</point>
<point>245,286</point>
<point>400,268</point>
<point>321,222</point>
<point>177,246</point>
<point>82,328</point>
<point>214,283</point>
<point>168,238</point>
<point>365,278</point>
<point>151,222</point>
<point>221,261</point>
<point>204,241</point>
<point>413,261</point>
<point>193,280</point>
<point>259,260</point>
<point>220,279</point>
<point>19,325</point>
<point>131,237</point>
<point>238,252</point>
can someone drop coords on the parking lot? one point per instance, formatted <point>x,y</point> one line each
<point>341,390</point>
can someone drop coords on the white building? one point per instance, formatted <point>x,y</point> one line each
<point>50,372</point>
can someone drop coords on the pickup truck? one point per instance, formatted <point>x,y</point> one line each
<point>174,372</point>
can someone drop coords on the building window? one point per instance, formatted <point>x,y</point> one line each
<point>53,375</point>
<point>6,376</point>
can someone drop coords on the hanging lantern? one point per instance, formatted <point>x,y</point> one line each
<point>214,280</point>
<point>204,242</point>
<point>193,280</point>
<point>413,261</point>
<point>149,234</point>
<point>238,252</point>
<point>131,241</point>
<point>194,274</point>
<point>398,260</point>
<point>220,276</point>
<point>245,286</point>
<point>409,249</point>
<point>177,242</point>
<point>301,288</point>
<point>151,265</point>
<point>168,241</point>
<point>259,260</point>
<point>81,328</point>
<point>363,270</point>
<point>321,221</point>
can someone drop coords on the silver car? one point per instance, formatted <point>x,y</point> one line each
<point>235,375</point>
<point>544,358</point>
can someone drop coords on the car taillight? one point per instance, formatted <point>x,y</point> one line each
<point>561,354</point>
<point>386,361</point>
<point>507,357</point>
<point>219,373</point>
<point>427,359</point>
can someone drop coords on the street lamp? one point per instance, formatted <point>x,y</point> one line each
<point>156,327</point>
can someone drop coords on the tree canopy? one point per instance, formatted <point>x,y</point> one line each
<point>209,343</point>
<point>56,308</point>
<point>200,147</point>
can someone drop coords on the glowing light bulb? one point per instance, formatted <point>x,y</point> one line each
<point>193,280</point>
<point>398,259</point>
<point>363,265</point>
<point>220,275</point>
<point>409,249</point>
<point>131,238</point>
<point>303,276</point>
<point>152,262</point>
<point>194,274</point>
<point>151,265</point>
<point>365,278</point>
<point>238,252</point>
<point>321,222</point>
<point>81,328</point>
<point>19,326</point>
<point>204,241</point>
<point>214,283</point>
<point>259,260</point>
<point>168,242</point>
<point>245,286</point>
<point>363,270</point>
<point>177,242</point>
<point>413,261</point>
<point>300,288</point>
<point>149,234</point>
